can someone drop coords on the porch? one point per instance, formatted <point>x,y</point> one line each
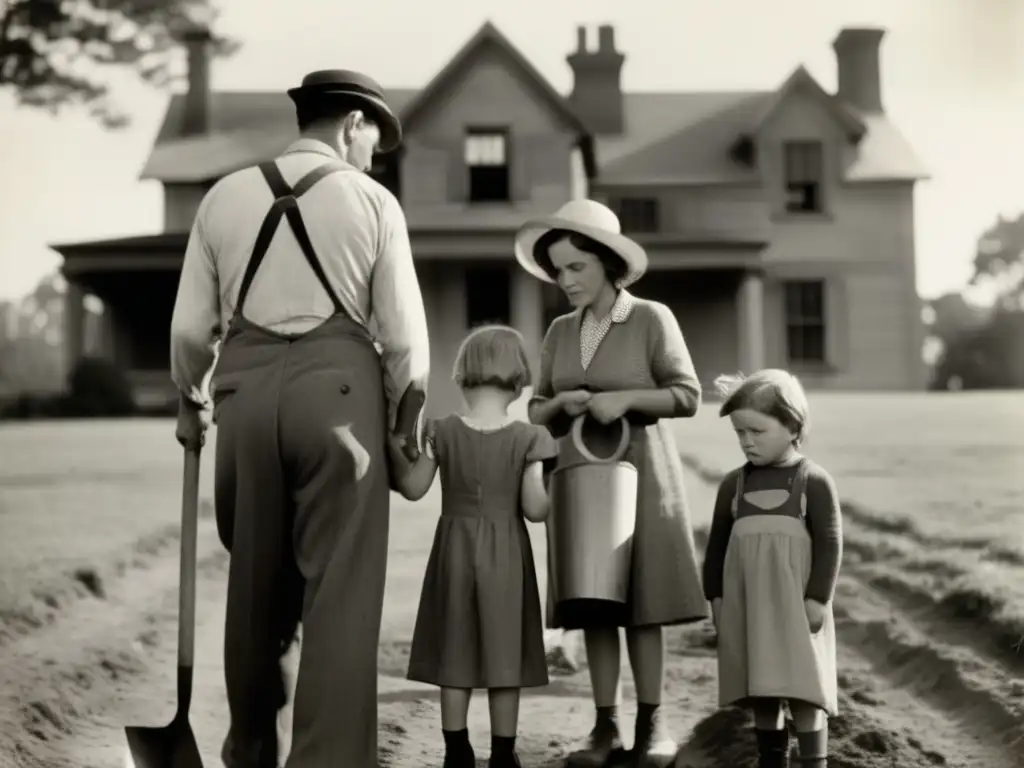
<point>467,278</point>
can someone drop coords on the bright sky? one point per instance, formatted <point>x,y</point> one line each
<point>952,79</point>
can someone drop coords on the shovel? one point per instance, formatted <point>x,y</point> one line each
<point>174,745</point>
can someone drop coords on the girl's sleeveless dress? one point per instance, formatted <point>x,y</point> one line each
<point>765,644</point>
<point>479,623</point>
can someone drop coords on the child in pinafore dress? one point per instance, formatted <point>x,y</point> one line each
<point>479,623</point>
<point>770,571</point>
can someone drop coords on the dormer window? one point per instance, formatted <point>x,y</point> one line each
<point>486,157</point>
<point>802,169</point>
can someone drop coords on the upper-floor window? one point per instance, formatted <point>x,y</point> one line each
<point>638,214</point>
<point>486,157</point>
<point>802,169</point>
<point>385,170</point>
<point>805,321</point>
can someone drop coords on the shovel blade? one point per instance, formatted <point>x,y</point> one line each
<point>173,746</point>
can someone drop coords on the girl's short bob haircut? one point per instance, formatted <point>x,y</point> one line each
<point>492,356</point>
<point>772,392</point>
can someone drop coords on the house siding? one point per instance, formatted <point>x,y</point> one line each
<point>862,244</point>
<point>181,201</point>
<point>488,94</point>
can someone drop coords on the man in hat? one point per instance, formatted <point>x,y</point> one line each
<point>312,311</point>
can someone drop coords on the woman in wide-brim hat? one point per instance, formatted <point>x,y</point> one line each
<point>619,355</point>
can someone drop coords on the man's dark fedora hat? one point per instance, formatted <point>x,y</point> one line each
<point>326,83</point>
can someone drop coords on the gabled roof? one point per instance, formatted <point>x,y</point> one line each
<point>489,35</point>
<point>669,138</point>
<point>802,80</point>
<point>695,149</point>
<point>246,127</point>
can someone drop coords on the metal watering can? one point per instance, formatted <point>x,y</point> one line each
<point>593,518</point>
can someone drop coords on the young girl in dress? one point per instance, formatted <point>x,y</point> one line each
<point>770,571</point>
<point>479,622</point>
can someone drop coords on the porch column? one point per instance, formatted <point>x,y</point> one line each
<point>527,313</point>
<point>74,325</point>
<point>751,321</point>
<point>107,346</point>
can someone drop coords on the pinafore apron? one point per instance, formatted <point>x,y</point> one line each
<point>765,644</point>
<point>302,504</point>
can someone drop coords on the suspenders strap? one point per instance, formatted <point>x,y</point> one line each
<point>286,204</point>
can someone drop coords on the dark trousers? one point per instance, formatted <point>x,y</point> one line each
<point>302,502</point>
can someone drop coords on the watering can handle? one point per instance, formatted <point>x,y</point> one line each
<point>577,441</point>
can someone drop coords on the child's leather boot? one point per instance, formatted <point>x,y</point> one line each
<point>458,752</point>
<point>652,745</point>
<point>772,748</point>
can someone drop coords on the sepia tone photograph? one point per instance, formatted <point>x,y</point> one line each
<point>450,385</point>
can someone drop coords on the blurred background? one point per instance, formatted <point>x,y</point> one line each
<point>872,187</point>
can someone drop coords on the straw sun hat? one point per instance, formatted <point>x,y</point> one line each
<point>584,217</point>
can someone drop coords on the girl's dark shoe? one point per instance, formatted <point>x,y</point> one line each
<point>772,748</point>
<point>461,758</point>
<point>605,745</point>
<point>504,761</point>
<point>503,753</point>
<point>458,752</point>
<point>652,745</point>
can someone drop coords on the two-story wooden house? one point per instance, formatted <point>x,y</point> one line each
<point>780,224</point>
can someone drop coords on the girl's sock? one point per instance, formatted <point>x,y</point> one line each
<point>772,748</point>
<point>458,752</point>
<point>813,748</point>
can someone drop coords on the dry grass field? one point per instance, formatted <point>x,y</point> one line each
<point>931,595</point>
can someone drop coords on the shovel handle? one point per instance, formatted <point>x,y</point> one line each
<point>187,580</point>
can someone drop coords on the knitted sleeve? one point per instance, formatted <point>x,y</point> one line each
<point>824,522</point>
<point>718,539</point>
<point>671,365</point>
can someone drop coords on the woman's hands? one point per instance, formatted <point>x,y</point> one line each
<point>574,402</point>
<point>607,407</point>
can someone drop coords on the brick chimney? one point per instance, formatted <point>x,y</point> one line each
<point>597,82</point>
<point>857,56</point>
<point>196,117</point>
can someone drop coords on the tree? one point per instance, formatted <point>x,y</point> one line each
<point>999,260</point>
<point>989,353</point>
<point>60,52</point>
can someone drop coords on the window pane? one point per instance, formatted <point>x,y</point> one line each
<point>805,321</point>
<point>803,162</point>
<point>814,343</point>
<point>812,301</point>
<point>485,149</point>
<point>794,343</point>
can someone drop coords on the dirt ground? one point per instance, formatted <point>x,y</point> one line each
<point>924,682</point>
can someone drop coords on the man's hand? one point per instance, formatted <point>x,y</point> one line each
<point>191,429</point>
<point>815,614</point>
<point>574,402</point>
